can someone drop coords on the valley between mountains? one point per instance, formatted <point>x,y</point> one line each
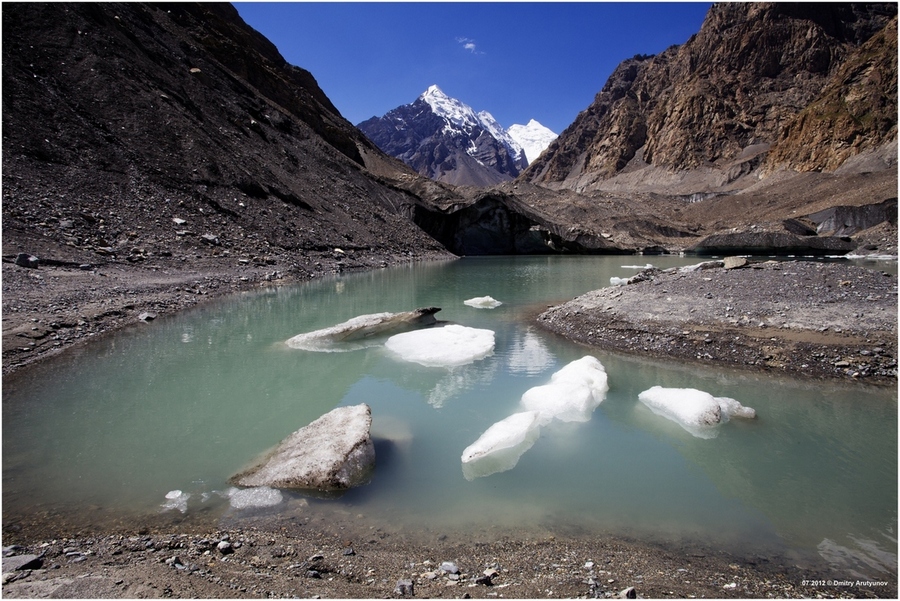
<point>157,156</point>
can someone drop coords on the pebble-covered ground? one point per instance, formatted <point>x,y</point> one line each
<point>310,559</point>
<point>809,319</point>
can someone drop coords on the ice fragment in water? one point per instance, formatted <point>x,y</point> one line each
<point>175,499</point>
<point>449,346</point>
<point>260,496</point>
<point>362,331</point>
<point>501,445</point>
<point>483,302</point>
<point>696,411</point>
<point>572,393</point>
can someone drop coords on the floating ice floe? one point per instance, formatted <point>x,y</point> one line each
<point>260,496</point>
<point>448,346</point>
<point>175,499</point>
<point>572,393</point>
<point>357,333</point>
<point>501,445</point>
<point>483,302</point>
<point>696,411</point>
<point>647,266</point>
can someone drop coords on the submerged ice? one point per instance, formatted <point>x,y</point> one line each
<point>696,411</point>
<point>501,445</point>
<point>448,346</point>
<point>571,396</point>
<point>259,496</point>
<point>176,499</point>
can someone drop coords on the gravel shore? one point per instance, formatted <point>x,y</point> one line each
<point>800,318</point>
<point>327,558</point>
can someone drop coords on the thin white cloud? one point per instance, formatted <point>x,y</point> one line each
<point>469,44</point>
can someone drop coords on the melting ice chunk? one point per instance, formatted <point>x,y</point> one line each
<point>359,332</point>
<point>260,496</point>
<point>449,346</point>
<point>483,302</point>
<point>501,445</point>
<point>572,393</point>
<point>694,410</point>
<point>175,499</point>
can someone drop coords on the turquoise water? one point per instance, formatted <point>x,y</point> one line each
<point>184,402</point>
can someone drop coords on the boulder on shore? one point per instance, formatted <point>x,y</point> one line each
<point>335,452</point>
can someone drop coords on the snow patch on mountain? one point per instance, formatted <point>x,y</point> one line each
<point>460,117</point>
<point>533,138</point>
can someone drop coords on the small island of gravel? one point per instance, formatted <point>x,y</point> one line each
<point>799,318</point>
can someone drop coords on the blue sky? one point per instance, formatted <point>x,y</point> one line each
<point>518,61</point>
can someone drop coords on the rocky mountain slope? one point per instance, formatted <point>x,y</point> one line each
<point>156,154</point>
<point>166,134</point>
<point>736,140</point>
<point>750,89</point>
<point>446,140</point>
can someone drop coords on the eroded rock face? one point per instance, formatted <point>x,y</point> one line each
<point>813,83</point>
<point>335,452</point>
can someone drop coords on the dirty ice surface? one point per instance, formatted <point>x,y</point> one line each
<point>696,411</point>
<point>448,346</point>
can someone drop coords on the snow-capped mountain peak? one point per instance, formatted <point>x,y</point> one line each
<point>458,115</point>
<point>445,139</point>
<point>534,138</point>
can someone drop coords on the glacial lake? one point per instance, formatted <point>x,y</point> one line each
<point>102,434</point>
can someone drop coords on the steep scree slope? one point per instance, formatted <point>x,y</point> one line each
<point>170,133</point>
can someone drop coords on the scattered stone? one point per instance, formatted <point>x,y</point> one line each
<point>404,588</point>
<point>210,239</point>
<point>225,548</point>
<point>26,260</point>
<point>22,562</point>
<point>734,262</point>
<point>147,316</point>
<point>449,567</point>
<point>628,593</point>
